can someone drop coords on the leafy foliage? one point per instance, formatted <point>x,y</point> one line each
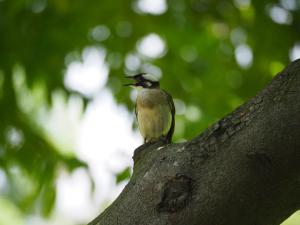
<point>123,175</point>
<point>199,66</point>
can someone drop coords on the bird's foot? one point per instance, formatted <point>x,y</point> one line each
<point>139,152</point>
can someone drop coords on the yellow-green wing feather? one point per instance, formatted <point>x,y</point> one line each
<point>172,108</point>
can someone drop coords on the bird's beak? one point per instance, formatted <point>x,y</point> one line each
<point>129,77</point>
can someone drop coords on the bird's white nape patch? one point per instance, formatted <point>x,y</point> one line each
<point>150,77</point>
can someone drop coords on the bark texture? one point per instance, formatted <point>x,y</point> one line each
<point>245,169</point>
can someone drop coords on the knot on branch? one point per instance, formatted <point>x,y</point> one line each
<point>262,164</point>
<point>176,194</point>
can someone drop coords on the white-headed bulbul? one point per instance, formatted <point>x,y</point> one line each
<point>154,109</point>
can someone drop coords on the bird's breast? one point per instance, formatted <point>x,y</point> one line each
<point>151,97</point>
<point>153,114</point>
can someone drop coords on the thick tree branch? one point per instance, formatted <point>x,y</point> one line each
<point>242,170</point>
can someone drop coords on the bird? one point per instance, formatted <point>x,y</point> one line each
<point>154,109</point>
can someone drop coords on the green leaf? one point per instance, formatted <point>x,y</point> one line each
<point>123,175</point>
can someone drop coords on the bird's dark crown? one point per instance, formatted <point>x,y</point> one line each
<point>144,80</point>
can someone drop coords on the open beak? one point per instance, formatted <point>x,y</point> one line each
<point>129,77</point>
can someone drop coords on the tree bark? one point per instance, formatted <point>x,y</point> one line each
<point>245,169</point>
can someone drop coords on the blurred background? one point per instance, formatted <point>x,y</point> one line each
<point>67,130</point>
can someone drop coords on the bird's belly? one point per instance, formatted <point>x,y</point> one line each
<point>154,122</point>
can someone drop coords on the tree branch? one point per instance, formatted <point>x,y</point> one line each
<point>242,170</point>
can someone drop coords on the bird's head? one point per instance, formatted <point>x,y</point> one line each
<point>144,80</point>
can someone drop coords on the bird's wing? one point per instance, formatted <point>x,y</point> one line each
<point>172,108</point>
